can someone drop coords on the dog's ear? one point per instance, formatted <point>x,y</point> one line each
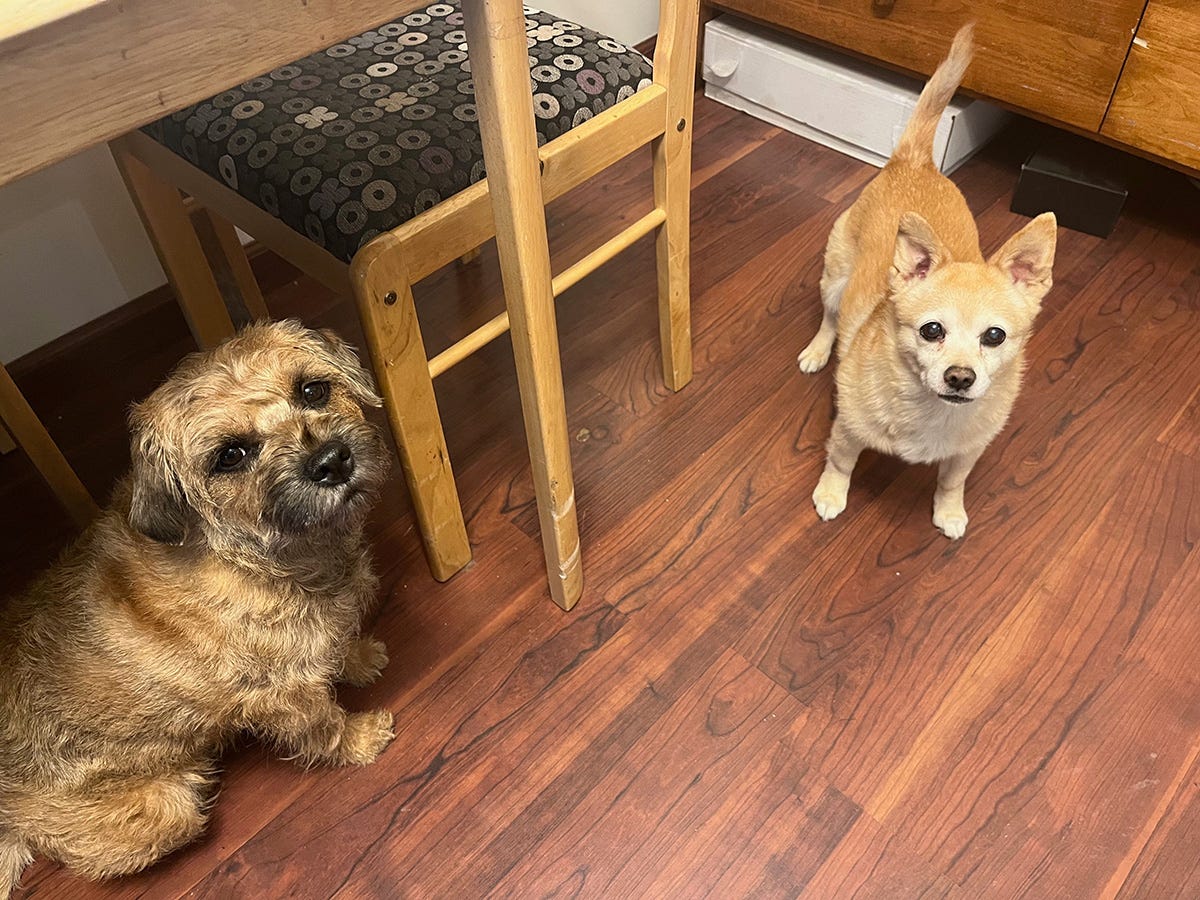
<point>345,359</point>
<point>1028,257</point>
<point>158,508</point>
<point>918,250</point>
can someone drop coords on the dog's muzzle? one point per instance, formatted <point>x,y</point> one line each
<point>959,379</point>
<point>331,465</point>
<point>329,486</point>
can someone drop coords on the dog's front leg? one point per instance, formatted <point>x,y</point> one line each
<point>313,728</point>
<point>843,450</point>
<point>364,661</point>
<point>949,514</point>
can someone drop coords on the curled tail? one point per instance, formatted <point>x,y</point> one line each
<point>916,144</point>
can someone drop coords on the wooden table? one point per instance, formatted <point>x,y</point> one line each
<point>75,73</point>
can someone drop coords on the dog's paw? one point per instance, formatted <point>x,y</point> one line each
<point>830,496</point>
<point>814,357</point>
<point>951,521</point>
<point>364,662</point>
<point>365,735</point>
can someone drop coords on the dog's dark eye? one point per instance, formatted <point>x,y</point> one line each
<point>993,337</point>
<point>231,458</point>
<point>932,331</point>
<point>314,394</point>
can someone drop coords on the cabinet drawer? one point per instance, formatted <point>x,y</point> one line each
<point>1059,58</point>
<point>1157,104</point>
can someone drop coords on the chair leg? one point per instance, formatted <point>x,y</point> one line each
<point>231,267</point>
<point>674,68</point>
<point>494,29</point>
<point>389,320</point>
<point>20,419</point>
<point>170,228</point>
<point>6,442</point>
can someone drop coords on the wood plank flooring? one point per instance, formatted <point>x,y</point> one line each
<point>747,702</point>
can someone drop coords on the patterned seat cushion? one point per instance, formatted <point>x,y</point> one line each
<point>352,141</point>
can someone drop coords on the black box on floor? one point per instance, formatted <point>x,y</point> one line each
<point>1080,188</point>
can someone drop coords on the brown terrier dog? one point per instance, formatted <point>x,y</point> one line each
<point>223,592</point>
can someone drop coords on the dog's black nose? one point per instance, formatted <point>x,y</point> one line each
<point>332,464</point>
<point>959,377</point>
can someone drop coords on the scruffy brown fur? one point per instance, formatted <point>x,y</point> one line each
<point>916,313</point>
<point>221,593</point>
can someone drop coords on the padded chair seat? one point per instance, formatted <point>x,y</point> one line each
<point>352,141</point>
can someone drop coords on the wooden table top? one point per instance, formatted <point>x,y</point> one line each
<point>20,16</point>
<point>75,73</point>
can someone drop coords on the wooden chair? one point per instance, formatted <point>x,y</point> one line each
<point>18,420</point>
<point>379,250</point>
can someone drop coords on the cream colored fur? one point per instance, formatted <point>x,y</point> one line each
<point>905,256</point>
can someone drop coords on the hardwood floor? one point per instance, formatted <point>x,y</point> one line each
<point>747,701</point>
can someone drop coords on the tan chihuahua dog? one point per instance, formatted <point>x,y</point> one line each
<point>930,338</point>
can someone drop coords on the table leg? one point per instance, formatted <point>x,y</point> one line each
<point>499,61</point>
<point>43,452</point>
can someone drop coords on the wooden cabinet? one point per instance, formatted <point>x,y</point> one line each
<point>1064,61</point>
<point>1157,103</point>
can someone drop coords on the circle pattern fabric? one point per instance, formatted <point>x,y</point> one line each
<point>354,140</point>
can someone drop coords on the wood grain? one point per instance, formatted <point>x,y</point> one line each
<point>83,79</point>
<point>383,294</point>
<point>20,16</point>
<point>1157,102</point>
<point>1182,433</point>
<point>674,68</point>
<point>747,701</point>
<point>510,146</point>
<point>1041,55</point>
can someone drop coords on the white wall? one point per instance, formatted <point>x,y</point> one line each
<point>629,21</point>
<point>71,245</point>
<point>71,248</point>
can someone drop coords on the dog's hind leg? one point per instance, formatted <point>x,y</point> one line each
<point>834,277</point>
<point>14,857</point>
<point>127,829</point>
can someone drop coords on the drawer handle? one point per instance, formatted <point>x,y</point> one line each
<point>722,68</point>
<point>881,9</point>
